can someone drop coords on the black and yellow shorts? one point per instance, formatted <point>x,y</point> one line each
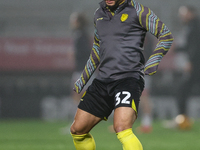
<point>101,98</point>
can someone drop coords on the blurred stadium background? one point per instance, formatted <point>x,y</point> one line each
<point>36,63</point>
<point>36,67</point>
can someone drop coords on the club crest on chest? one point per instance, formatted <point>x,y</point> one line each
<point>124,17</point>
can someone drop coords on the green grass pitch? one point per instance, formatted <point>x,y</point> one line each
<point>40,135</point>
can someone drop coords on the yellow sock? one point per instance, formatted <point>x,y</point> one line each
<point>129,140</point>
<point>84,142</point>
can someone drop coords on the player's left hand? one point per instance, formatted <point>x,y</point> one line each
<point>152,64</point>
<point>150,70</point>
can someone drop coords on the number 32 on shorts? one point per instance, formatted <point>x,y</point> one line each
<point>125,100</point>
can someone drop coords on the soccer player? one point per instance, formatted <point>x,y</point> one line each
<point>120,28</point>
<point>145,102</point>
<point>81,40</point>
<point>191,22</point>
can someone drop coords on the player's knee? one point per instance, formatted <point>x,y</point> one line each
<point>73,130</point>
<point>119,127</point>
<point>77,129</point>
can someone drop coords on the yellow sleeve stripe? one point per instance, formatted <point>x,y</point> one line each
<point>163,25</point>
<point>96,54</point>
<point>167,40</point>
<point>152,73</point>
<point>95,43</point>
<point>82,79</point>
<point>165,49</point>
<point>156,55</point>
<point>93,62</point>
<point>147,19</point>
<point>166,34</point>
<point>132,3</point>
<point>96,38</point>
<point>140,15</point>
<point>76,87</point>
<point>156,31</point>
<point>86,71</point>
<point>150,66</point>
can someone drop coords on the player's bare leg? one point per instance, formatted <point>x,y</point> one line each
<point>124,117</point>
<point>83,123</point>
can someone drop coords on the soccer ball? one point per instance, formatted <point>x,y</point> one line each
<point>183,122</point>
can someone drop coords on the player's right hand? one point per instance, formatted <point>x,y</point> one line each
<point>78,86</point>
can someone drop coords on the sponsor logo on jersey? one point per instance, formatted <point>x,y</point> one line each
<point>100,19</point>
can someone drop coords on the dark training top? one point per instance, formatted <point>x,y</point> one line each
<point>118,43</point>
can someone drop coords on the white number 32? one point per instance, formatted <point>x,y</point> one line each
<point>124,100</point>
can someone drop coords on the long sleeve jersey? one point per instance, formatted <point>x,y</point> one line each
<point>118,43</point>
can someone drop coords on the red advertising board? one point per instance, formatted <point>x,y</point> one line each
<point>36,54</point>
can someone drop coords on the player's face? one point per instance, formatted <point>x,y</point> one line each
<point>112,2</point>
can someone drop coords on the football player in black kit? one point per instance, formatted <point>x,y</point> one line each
<point>120,29</point>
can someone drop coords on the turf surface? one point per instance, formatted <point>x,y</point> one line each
<point>40,135</point>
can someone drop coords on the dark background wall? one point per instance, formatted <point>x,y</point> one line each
<point>24,85</point>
